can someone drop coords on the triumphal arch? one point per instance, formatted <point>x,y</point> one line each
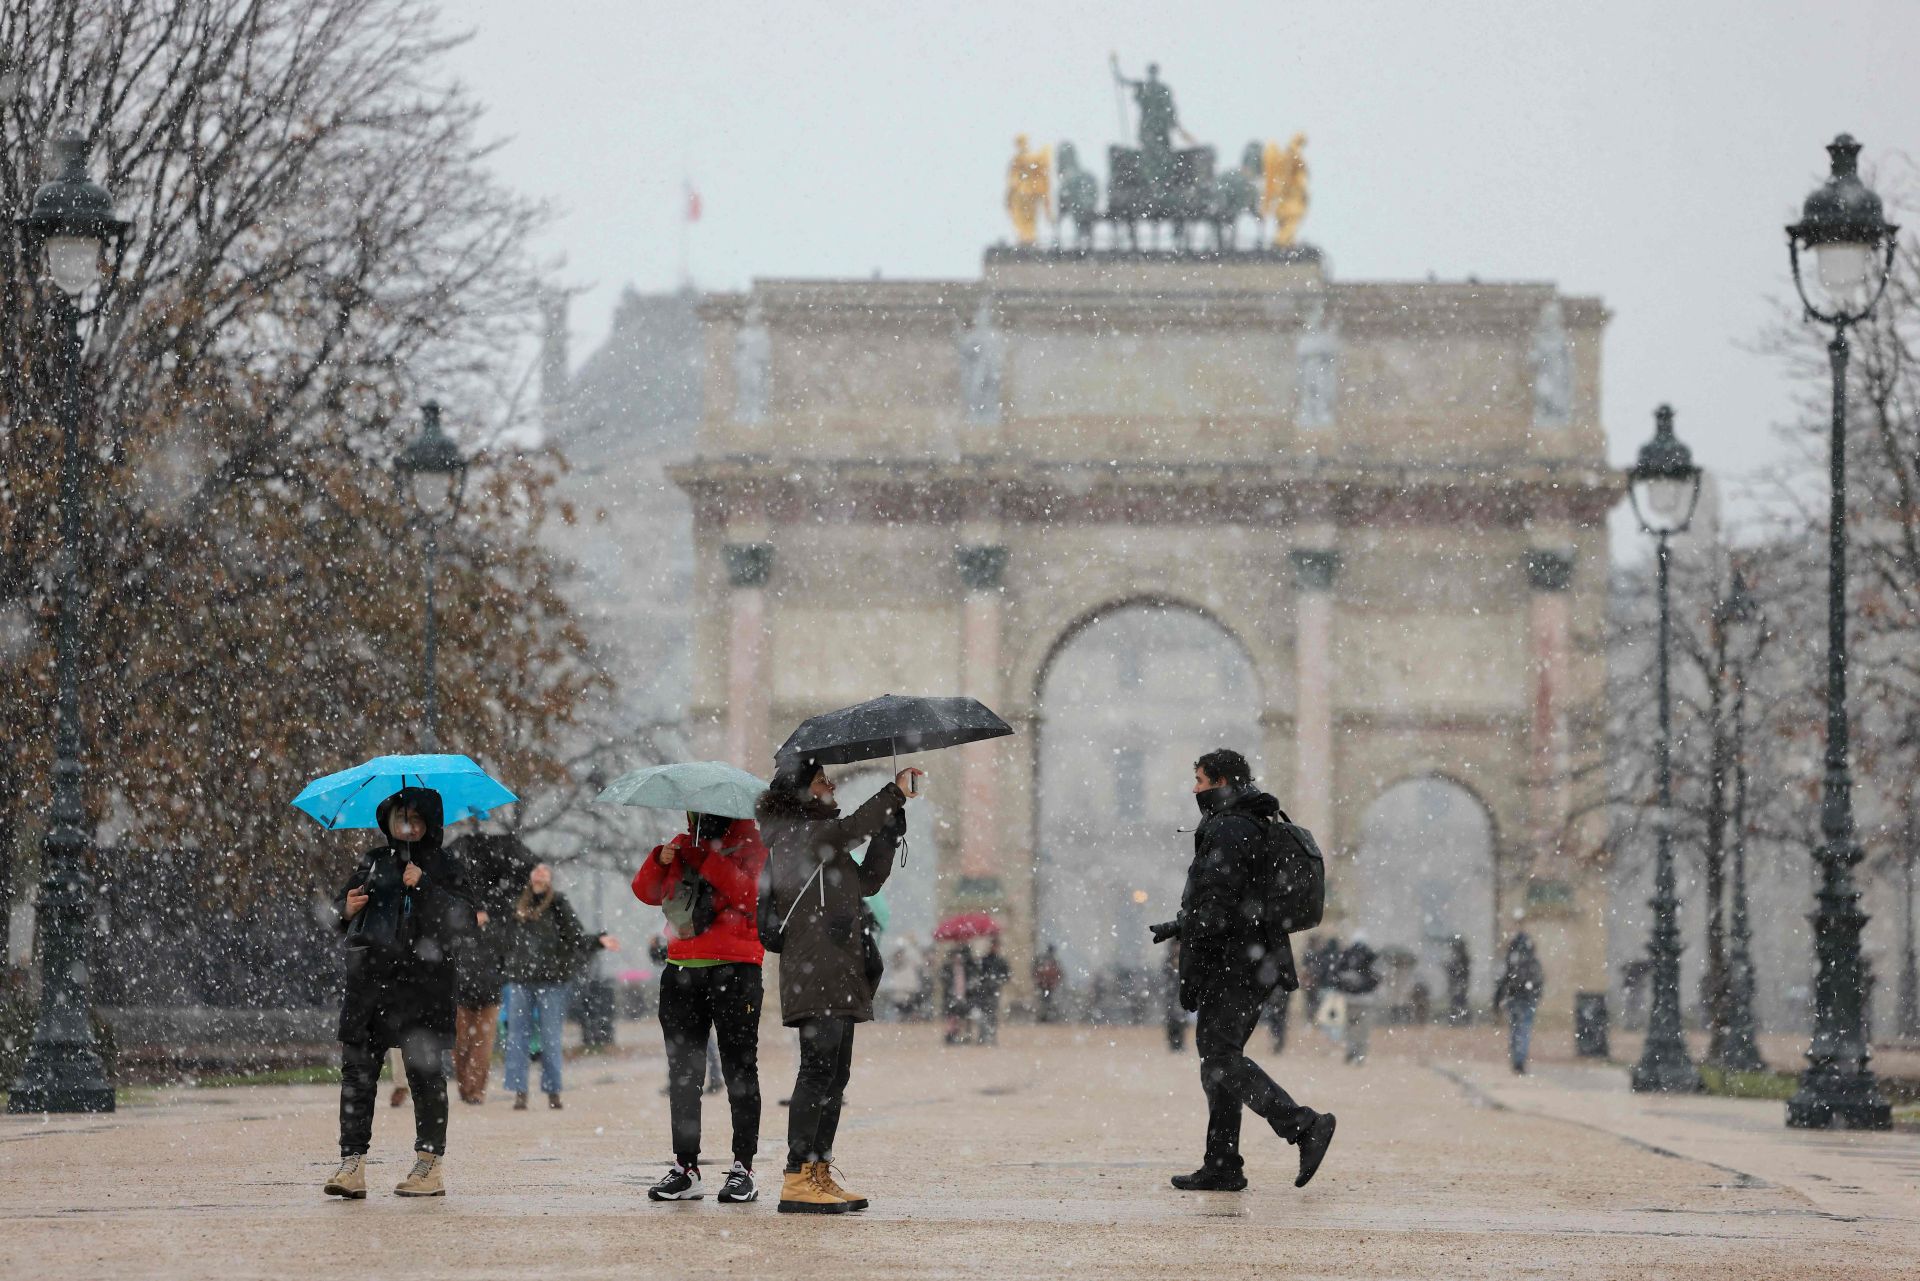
<point>1391,497</point>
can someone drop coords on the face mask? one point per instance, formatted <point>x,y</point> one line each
<point>1214,799</point>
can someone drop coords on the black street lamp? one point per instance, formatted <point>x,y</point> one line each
<point>1739,1045</point>
<point>1664,486</point>
<point>1853,246</point>
<point>73,228</point>
<point>435,471</point>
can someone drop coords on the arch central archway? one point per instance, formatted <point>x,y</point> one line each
<point>1127,701</point>
<point>1424,872</point>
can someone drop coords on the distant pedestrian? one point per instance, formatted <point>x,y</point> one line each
<point>548,947</point>
<point>404,911</point>
<point>1459,978</point>
<point>994,974</point>
<point>900,986</point>
<point>1047,980</point>
<point>1356,975</point>
<point>707,879</point>
<point>1519,988</point>
<point>495,866</point>
<point>811,901</point>
<point>1230,960</point>
<point>1279,1007</point>
<point>1173,1015</point>
<point>957,975</point>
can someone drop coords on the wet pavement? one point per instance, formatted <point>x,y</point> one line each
<point>1045,1156</point>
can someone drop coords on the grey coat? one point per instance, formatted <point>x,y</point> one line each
<point>822,957</point>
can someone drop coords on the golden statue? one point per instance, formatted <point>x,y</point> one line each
<point>1283,189</point>
<point>1029,190</point>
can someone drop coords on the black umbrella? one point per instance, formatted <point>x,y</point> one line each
<point>889,725</point>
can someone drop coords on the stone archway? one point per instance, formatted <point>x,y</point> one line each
<point>1424,870</point>
<point>1127,700</point>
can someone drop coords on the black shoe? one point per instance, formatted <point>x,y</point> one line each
<point>681,1183</point>
<point>1206,1180</point>
<point>1313,1147</point>
<point>739,1187</point>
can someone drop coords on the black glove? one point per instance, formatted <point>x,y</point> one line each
<point>1166,930</point>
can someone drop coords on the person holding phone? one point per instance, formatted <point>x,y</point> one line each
<point>812,894</point>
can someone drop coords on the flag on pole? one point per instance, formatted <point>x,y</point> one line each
<point>693,203</point>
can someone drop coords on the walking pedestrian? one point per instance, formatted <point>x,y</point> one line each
<point>1356,974</point>
<point>994,974</point>
<point>957,997</point>
<point>1520,986</point>
<point>811,900</point>
<point>1230,959</point>
<point>900,988</point>
<point>1459,976</point>
<point>547,949</point>
<point>707,878</point>
<point>1173,1013</point>
<point>1279,1008</point>
<point>494,865</point>
<point>1047,978</point>
<point>404,912</point>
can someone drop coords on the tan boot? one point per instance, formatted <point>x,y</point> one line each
<point>427,1177</point>
<point>350,1180</point>
<point>803,1193</point>
<point>824,1173</point>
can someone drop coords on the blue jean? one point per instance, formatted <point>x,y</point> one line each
<point>1519,1031</point>
<point>549,1002</point>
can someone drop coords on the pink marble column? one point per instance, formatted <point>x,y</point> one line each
<point>1549,623</point>
<point>981,569</point>
<point>749,565</point>
<point>1313,577</point>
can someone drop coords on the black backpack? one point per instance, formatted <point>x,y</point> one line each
<point>1296,896</point>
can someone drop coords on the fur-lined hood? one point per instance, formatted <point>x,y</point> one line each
<point>798,807</point>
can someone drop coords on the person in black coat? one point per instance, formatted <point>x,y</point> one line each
<point>405,912</point>
<point>496,866</point>
<point>1229,963</point>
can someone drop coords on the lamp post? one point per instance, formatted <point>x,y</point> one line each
<point>1739,1049</point>
<point>1853,246</point>
<point>435,470</point>
<point>73,227</point>
<point>1664,487</point>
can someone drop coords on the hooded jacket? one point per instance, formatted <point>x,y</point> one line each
<point>817,888</point>
<point>732,866</point>
<point>1223,938</point>
<point>404,978</point>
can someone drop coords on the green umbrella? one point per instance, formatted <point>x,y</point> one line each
<point>700,787</point>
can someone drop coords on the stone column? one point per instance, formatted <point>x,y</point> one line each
<point>1314,572</point>
<point>749,693</point>
<point>982,567</point>
<point>1549,621</point>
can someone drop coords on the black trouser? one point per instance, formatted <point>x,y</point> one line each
<point>1229,1012</point>
<point>723,1000</point>
<point>826,1061</point>
<point>425,1054</point>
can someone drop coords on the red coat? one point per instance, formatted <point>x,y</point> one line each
<point>732,865</point>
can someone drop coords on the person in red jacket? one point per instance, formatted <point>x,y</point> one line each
<point>707,880</point>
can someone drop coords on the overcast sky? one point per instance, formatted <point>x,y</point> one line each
<point>1645,151</point>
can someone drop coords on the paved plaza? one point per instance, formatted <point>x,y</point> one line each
<point>1046,1156</point>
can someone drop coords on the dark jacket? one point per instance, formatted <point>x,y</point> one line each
<point>1523,980</point>
<point>823,971</point>
<point>1223,939</point>
<point>548,942</point>
<point>496,868</point>
<point>405,980</point>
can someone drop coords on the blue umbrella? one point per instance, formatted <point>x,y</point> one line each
<point>349,798</point>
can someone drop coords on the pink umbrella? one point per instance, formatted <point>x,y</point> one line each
<point>967,925</point>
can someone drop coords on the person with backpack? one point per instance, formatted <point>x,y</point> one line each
<point>1255,878</point>
<point>707,881</point>
<point>811,901</point>
<point>1519,989</point>
<point>1356,975</point>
